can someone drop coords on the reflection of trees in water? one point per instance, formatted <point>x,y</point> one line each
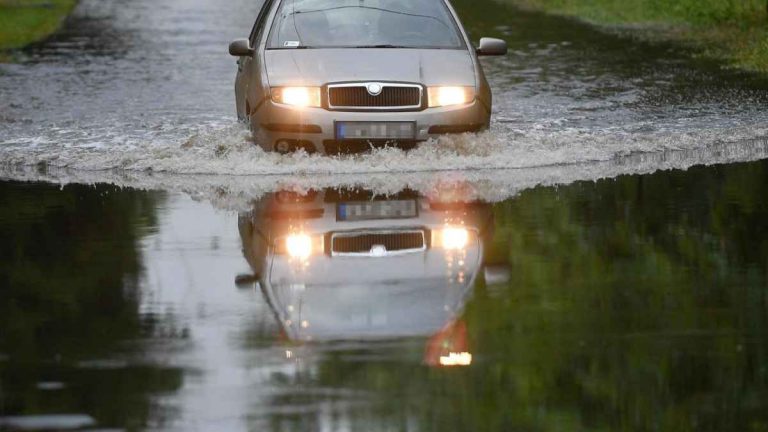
<point>636,303</point>
<point>69,275</point>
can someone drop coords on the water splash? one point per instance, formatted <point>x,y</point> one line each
<point>228,150</point>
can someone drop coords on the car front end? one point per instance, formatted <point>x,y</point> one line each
<point>331,76</point>
<point>330,104</point>
<point>347,265</point>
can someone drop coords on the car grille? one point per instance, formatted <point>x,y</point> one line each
<point>362,243</point>
<point>391,97</point>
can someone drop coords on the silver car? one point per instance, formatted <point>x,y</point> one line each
<point>341,264</point>
<point>332,76</point>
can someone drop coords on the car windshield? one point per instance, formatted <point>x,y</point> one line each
<point>364,24</point>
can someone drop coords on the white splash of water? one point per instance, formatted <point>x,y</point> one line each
<point>227,150</point>
<point>490,185</point>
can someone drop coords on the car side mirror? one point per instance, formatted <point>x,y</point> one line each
<point>497,274</point>
<point>492,47</point>
<point>246,281</point>
<point>240,48</point>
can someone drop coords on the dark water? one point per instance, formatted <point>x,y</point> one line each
<point>596,286</point>
<point>635,303</point>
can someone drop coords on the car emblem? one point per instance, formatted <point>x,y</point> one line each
<point>374,89</point>
<point>378,250</point>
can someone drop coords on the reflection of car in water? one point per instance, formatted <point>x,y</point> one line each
<point>347,265</point>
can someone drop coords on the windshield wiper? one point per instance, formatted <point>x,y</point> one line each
<point>381,46</point>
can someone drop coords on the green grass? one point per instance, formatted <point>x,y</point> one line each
<point>733,30</point>
<point>23,22</point>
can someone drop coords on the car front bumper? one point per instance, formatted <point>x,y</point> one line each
<point>314,128</point>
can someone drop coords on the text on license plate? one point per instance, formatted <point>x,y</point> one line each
<point>368,210</point>
<point>376,130</point>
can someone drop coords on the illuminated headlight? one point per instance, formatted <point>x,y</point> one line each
<point>445,96</point>
<point>456,359</point>
<point>455,238</point>
<point>298,245</point>
<point>297,96</point>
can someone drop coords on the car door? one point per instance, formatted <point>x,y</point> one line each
<point>249,88</point>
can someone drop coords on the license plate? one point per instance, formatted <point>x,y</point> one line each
<point>369,210</point>
<point>375,130</point>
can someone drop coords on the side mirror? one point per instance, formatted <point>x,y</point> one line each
<point>246,281</point>
<point>240,48</point>
<point>497,274</point>
<point>492,47</point>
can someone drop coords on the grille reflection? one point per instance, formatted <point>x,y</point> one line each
<point>364,242</point>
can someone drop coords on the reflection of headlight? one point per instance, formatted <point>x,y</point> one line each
<point>297,96</point>
<point>456,359</point>
<point>455,238</point>
<point>444,96</point>
<point>298,245</point>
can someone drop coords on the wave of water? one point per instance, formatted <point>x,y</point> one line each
<point>140,95</point>
<point>228,150</point>
<point>387,171</point>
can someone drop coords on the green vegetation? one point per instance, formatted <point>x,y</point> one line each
<point>734,30</point>
<point>26,21</point>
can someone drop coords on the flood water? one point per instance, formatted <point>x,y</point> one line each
<point>635,303</point>
<point>145,85</point>
<point>598,260</point>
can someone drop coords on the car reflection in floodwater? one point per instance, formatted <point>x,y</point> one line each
<point>347,265</point>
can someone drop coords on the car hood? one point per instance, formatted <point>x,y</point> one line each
<point>317,67</point>
<point>368,311</point>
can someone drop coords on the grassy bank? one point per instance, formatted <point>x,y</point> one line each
<point>733,30</point>
<point>25,21</point>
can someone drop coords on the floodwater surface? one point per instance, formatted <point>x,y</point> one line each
<point>598,260</point>
<point>636,303</point>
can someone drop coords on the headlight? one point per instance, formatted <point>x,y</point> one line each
<point>455,238</point>
<point>444,96</point>
<point>298,245</point>
<point>297,96</point>
<point>456,359</point>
